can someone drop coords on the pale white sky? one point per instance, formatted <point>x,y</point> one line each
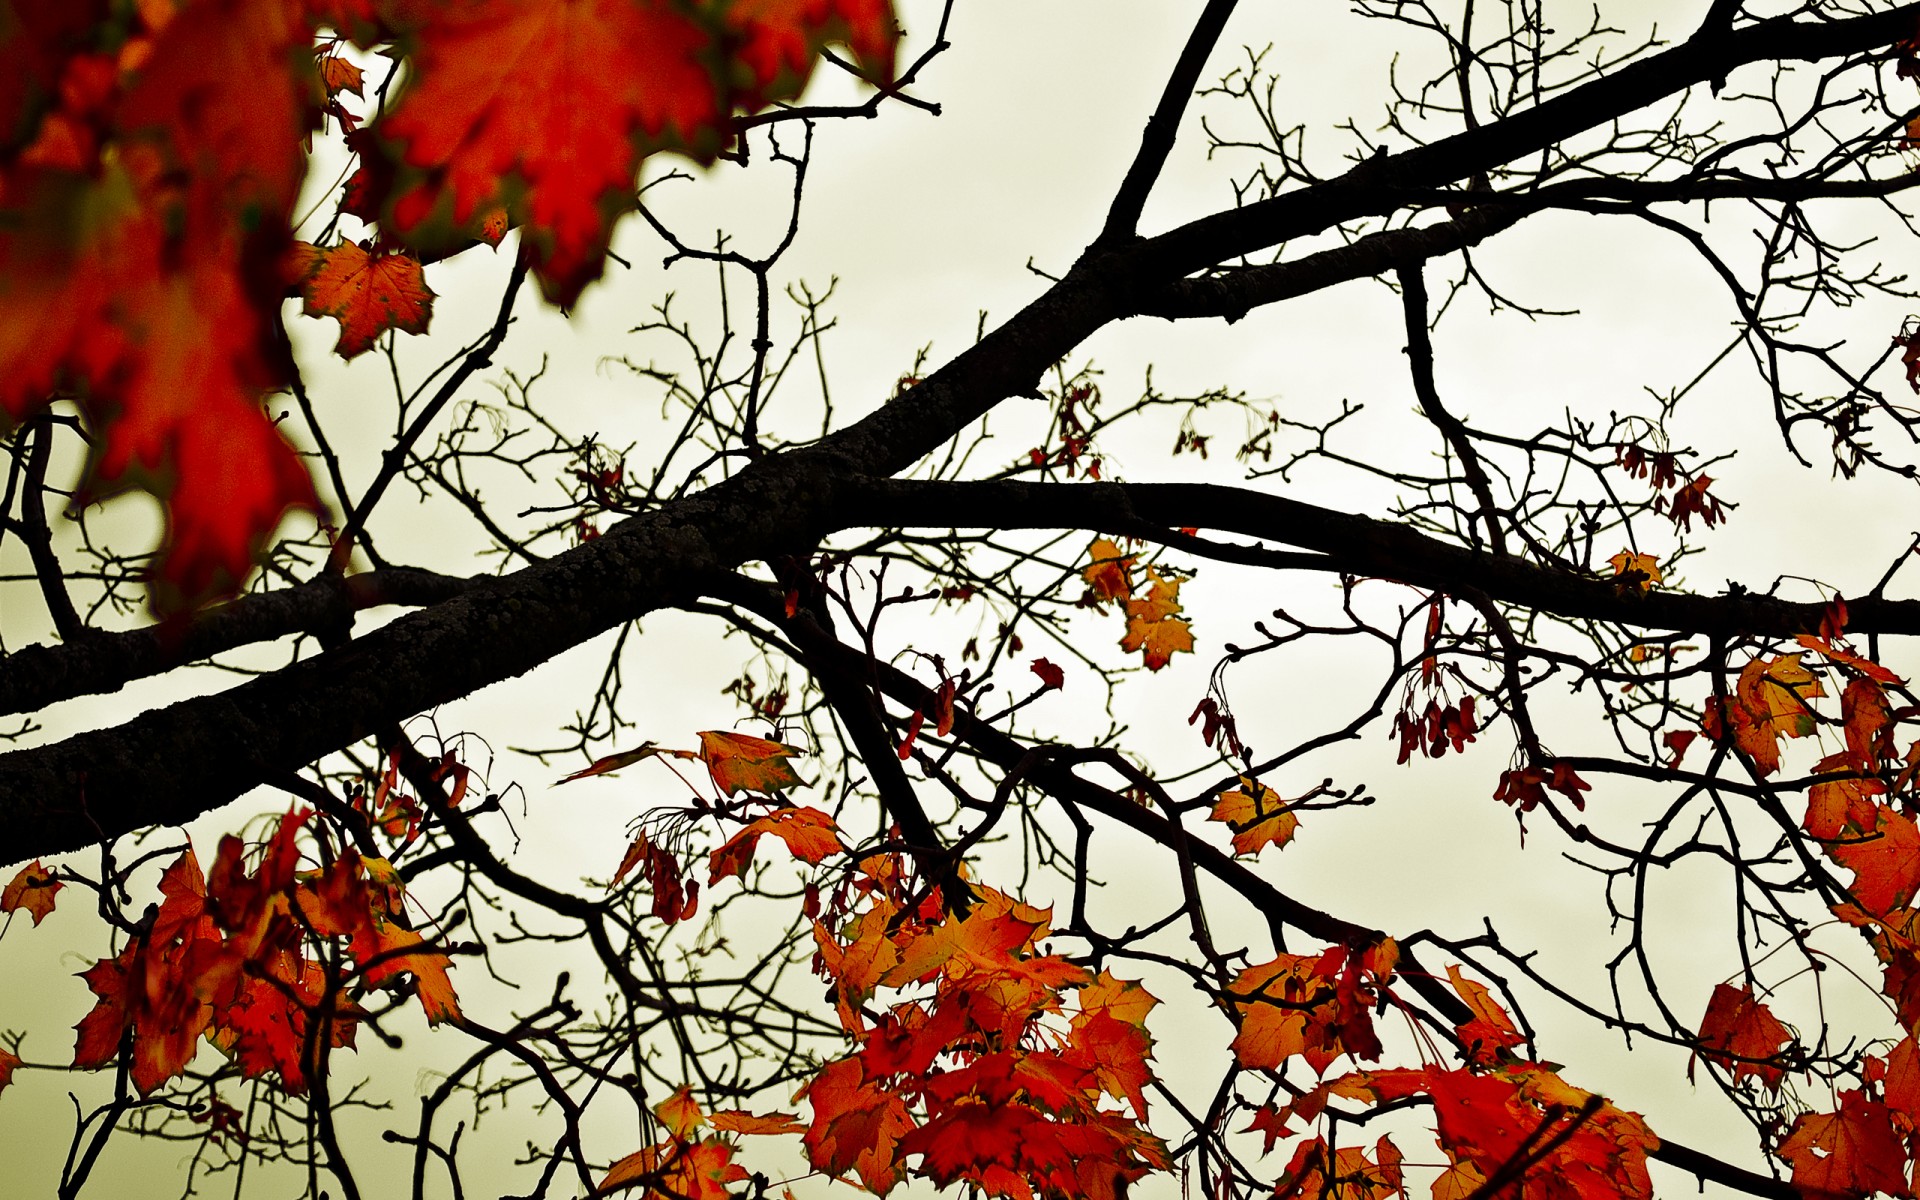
<point>927,221</point>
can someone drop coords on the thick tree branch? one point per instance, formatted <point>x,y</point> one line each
<point>1353,544</point>
<point>1369,188</point>
<point>38,675</point>
<point>1162,127</point>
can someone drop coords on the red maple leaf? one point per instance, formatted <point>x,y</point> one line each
<point>1847,1153</point>
<point>1739,1026</point>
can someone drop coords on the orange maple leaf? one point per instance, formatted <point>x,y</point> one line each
<point>741,762</point>
<point>1491,1029</point>
<point>734,1120</point>
<point>1110,1031</point>
<point>780,40</point>
<point>626,758</point>
<point>388,947</point>
<point>1770,704</point>
<point>1257,815</point>
<point>809,834</point>
<point>1344,1174</point>
<point>546,108</point>
<point>1110,575</point>
<point>33,889</point>
<point>1842,808</point>
<point>1902,1084</point>
<point>1306,1005</point>
<point>1885,863</point>
<point>857,1125</point>
<point>1641,571</point>
<point>1153,626</point>
<point>1738,1026</point>
<point>368,293</point>
<point>142,265</point>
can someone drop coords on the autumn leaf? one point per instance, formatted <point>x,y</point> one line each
<point>145,270</point>
<point>1051,676</point>
<point>369,293</point>
<point>741,762</point>
<point>1850,1152</point>
<point>626,758</point>
<point>734,1120</point>
<point>1306,1005</point>
<point>545,109</point>
<point>1488,1118</point>
<point>32,889</point>
<point>856,1126</point>
<point>9,1063</point>
<point>1842,808</point>
<point>1345,1174</point>
<point>810,836</point>
<point>680,1114</point>
<point>338,74</point>
<point>780,40</point>
<point>1640,571</point>
<point>1110,1031</point>
<point>1833,651</point>
<point>1885,862</point>
<point>388,949</point>
<point>685,1171</point>
<point>1459,1181</point>
<point>1110,575</point>
<point>1257,815</point>
<point>1770,704</point>
<point>1740,1027</point>
<point>1153,626</point>
<point>1902,1084</point>
<point>1490,1030</point>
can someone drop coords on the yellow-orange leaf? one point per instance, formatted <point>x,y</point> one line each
<point>680,1113</point>
<point>1257,815</point>
<point>1646,566</point>
<point>429,970</point>
<point>740,762</point>
<point>734,1120</point>
<point>32,889</point>
<point>626,758</point>
<point>809,834</point>
<point>1153,626</point>
<point>1110,574</point>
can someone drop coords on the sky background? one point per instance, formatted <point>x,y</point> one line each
<point>926,222</point>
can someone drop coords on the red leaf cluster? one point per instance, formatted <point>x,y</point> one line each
<point>151,156</point>
<point>979,1068</point>
<point>683,1165</point>
<point>229,955</point>
<point>1316,1006</point>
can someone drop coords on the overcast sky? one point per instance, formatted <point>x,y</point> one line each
<point>926,221</point>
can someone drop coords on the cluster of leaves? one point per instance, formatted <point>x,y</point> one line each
<point>976,1064</point>
<point>1507,1125</point>
<point>1155,629</point>
<point>251,960</point>
<point>151,156</point>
